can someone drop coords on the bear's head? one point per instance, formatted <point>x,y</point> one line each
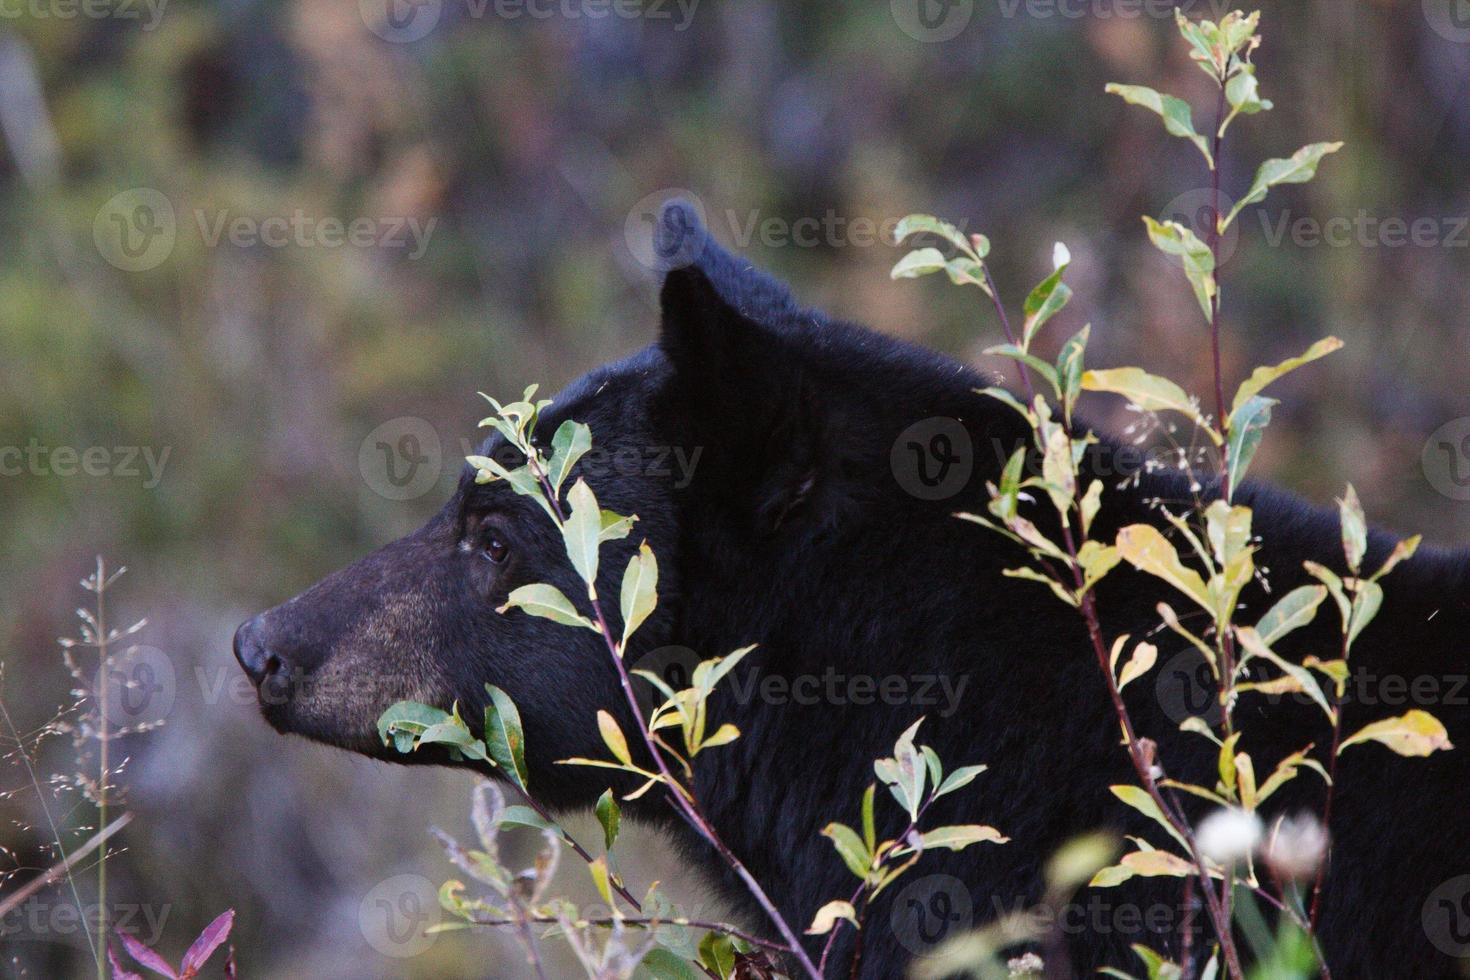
<point>752,431</point>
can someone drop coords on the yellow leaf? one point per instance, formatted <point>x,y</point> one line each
<point>1415,733</point>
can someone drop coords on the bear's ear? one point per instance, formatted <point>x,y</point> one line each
<point>739,388</point>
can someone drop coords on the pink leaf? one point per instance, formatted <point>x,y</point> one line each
<point>209,940</point>
<point>147,957</point>
<point>119,972</point>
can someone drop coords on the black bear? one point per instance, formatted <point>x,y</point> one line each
<point>819,524</point>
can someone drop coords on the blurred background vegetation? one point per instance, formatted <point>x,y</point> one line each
<point>525,141</point>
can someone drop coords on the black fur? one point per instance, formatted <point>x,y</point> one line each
<point>795,534</point>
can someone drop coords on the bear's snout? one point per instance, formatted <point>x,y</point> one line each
<point>261,660</point>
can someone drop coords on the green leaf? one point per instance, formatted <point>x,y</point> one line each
<point>959,779</point>
<point>1292,611</point>
<point>1138,798</point>
<point>1255,647</point>
<point>717,952</point>
<point>1001,395</point>
<point>1030,360</point>
<point>404,721</point>
<point>965,271</point>
<point>870,829</point>
<point>615,527</point>
<point>547,602</point>
<point>602,879</point>
<point>1070,368</point>
<point>1047,299</point>
<point>581,532</point>
<point>505,741</point>
<point>1243,93</point>
<point>524,816</point>
<point>640,590</point>
<point>1330,579</point>
<point>569,444</point>
<point>961,836</point>
<point>1149,392</point>
<point>1057,470</point>
<point>1246,427</point>
<point>1146,549</point>
<point>1172,238</point>
<point>850,848</point>
<point>915,224</point>
<point>612,736</point>
<point>610,816</point>
<point>1354,529</point>
<point>1299,168</point>
<point>520,479</point>
<point>1178,117</point>
<point>1263,376</point>
<point>919,262</point>
<point>1414,733</point>
<point>663,964</point>
<point>455,735</point>
<point>1366,603</point>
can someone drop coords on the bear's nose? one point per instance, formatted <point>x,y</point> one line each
<point>256,658</point>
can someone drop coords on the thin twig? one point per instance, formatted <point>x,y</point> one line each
<point>608,922</point>
<point>62,867</point>
<point>682,800</point>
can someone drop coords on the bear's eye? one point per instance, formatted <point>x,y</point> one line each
<point>495,550</point>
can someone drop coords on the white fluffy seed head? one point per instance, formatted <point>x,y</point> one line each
<point>1229,835</point>
<point>1295,847</point>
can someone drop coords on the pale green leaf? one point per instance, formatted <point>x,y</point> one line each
<point>547,602</point>
<point>919,262</point>
<point>582,531</point>
<point>1263,376</point>
<point>1176,114</point>
<point>1299,168</point>
<point>640,590</point>
<point>505,740</point>
<point>961,836</point>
